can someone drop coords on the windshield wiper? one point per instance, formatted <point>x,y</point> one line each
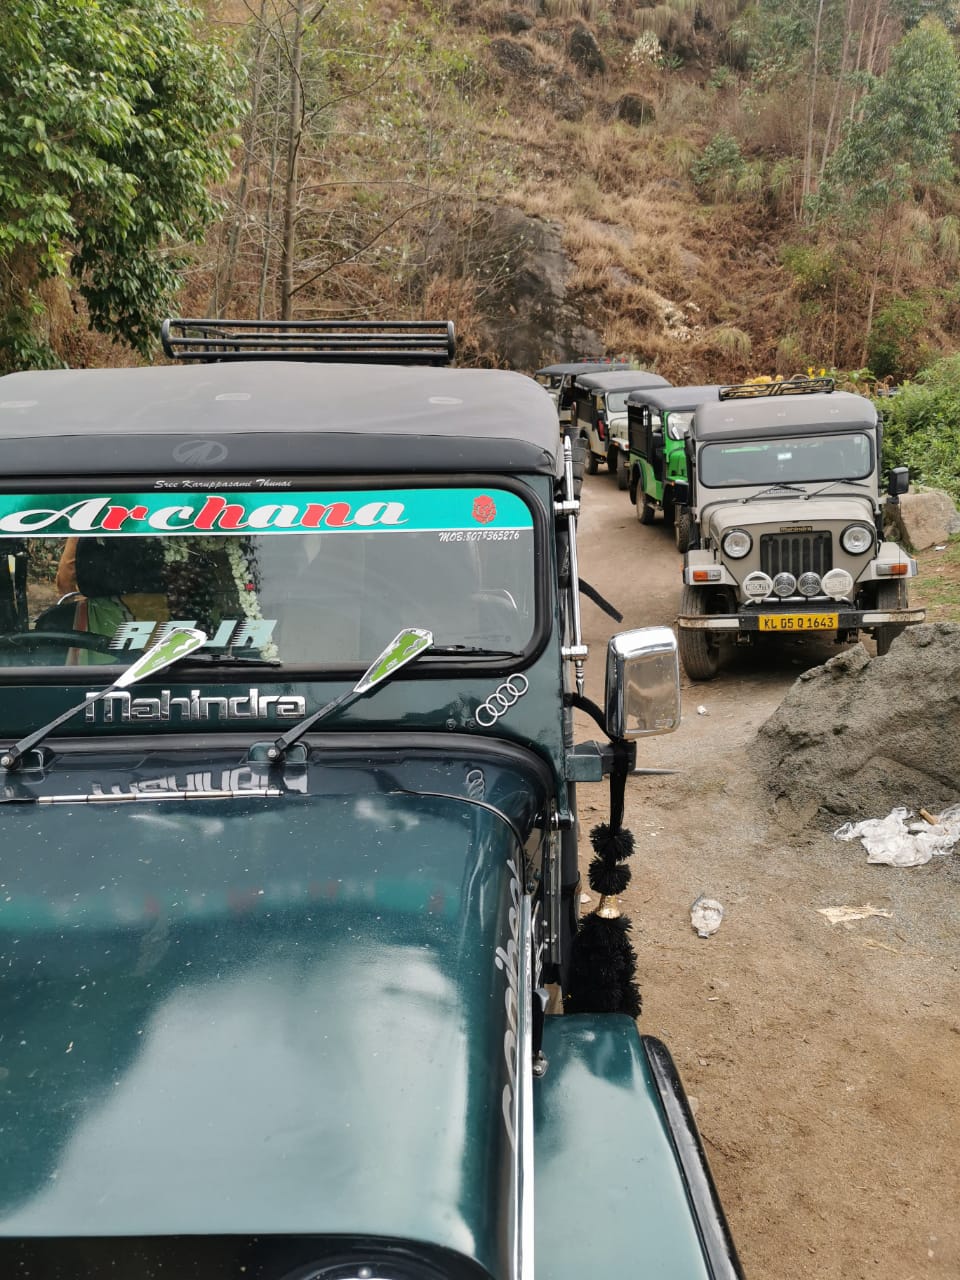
<point>777,488</point>
<point>860,484</point>
<point>402,649</point>
<point>470,649</point>
<point>208,658</point>
<point>172,648</point>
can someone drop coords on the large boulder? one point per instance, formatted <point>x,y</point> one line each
<point>584,52</point>
<point>859,736</point>
<point>529,317</point>
<point>924,519</point>
<point>633,108</point>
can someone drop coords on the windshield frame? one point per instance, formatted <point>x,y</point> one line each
<point>433,664</point>
<point>774,442</point>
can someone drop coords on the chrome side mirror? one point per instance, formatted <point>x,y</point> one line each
<point>642,695</point>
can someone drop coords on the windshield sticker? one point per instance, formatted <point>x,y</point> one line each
<point>138,514</point>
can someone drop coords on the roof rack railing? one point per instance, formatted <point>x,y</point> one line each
<point>786,387</point>
<point>348,341</point>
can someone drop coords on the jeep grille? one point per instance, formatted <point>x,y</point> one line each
<point>796,553</point>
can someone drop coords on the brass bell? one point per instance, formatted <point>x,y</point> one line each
<point>609,908</point>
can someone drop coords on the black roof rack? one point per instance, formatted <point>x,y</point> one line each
<point>786,387</point>
<point>348,341</point>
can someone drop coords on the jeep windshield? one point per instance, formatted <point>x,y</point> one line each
<point>294,578</point>
<point>616,401</point>
<point>783,460</point>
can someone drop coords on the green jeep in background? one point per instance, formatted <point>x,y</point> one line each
<point>656,468</point>
<point>294,985</point>
<point>787,532</point>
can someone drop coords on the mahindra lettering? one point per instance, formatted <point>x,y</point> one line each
<point>787,523</point>
<point>295,984</point>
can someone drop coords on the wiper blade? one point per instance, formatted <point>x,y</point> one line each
<point>172,648</point>
<point>777,488</point>
<point>469,649</point>
<point>860,484</point>
<point>208,658</point>
<point>404,648</point>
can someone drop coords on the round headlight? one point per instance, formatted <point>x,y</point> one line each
<point>837,583</point>
<point>737,544</point>
<point>784,584</point>
<point>808,584</point>
<point>757,586</point>
<point>857,538</point>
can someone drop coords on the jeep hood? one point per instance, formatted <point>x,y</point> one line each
<point>264,1014</point>
<point>785,512</point>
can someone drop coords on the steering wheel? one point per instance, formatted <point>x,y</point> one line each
<point>30,641</point>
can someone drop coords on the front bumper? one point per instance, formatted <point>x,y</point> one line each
<point>748,622</point>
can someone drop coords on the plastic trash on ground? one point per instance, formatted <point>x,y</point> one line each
<point>705,916</point>
<point>897,842</point>
<point>846,915</point>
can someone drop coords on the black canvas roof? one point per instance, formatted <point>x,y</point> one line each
<point>275,417</point>
<point>677,398</point>
<point>782,415</point>
<point>584,366</point>
<point>620,381</point>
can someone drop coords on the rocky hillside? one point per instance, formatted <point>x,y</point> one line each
<point>716,189</point>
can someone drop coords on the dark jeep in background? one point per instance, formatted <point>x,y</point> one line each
<point>599,415</point>
<point>787,533</point>
<point>289,655</point>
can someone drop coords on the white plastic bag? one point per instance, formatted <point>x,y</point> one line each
<point>890,841</point>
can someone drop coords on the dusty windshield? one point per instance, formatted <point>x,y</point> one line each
<point>294,578</point>
<point>617,401</point>
<point>786,461</point>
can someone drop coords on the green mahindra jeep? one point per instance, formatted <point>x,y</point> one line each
<point>787,523</point>
<point>294,984</point>
<point>656,469</point>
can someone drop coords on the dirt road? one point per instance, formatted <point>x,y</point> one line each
<point>824,1060</point>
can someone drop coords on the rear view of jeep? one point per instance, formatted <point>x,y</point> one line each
<point>787,523</point>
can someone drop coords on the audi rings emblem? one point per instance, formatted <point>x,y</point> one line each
<point>501,700</point>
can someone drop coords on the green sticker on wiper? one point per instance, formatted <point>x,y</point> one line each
<point>402,649</point>
<point>170,649</point>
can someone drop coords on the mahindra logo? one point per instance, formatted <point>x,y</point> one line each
<point>120,706</point>
<point>200,452</point>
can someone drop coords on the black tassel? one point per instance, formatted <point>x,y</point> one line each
<point>604,968</point>
<point>609,880</point>
<point>604,963</point>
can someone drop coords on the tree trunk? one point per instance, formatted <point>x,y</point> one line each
<point>292,163</point>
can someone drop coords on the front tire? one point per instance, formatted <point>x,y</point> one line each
<point>699,650</point>
<point>613,457</point>
<point>646,511</point>
<point>682,529</point>
<point>623,475</point>
<point>593,462</point>
<point>890,595</point>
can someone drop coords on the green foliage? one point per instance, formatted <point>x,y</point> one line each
<point>717,169</point>
<point>891,345</point>
<point>113,121</point>
<point>922,427</point>
<point>903,131</point>
<point>814,269</point>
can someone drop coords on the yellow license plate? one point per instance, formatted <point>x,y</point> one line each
<point>798,622</point>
